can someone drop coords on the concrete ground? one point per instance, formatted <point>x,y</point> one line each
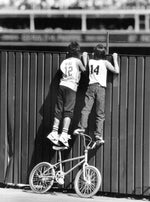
<point>26,195</point>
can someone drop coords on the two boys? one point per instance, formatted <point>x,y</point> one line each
<point>71,69</point>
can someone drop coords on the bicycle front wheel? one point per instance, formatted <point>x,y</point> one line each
<point>42,177</point>
<point>89,185</point>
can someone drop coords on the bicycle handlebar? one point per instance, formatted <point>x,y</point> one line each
<point>90,140</point>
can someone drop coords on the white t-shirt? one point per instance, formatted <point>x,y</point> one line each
<point>98,72</point>
<point>71,69</point>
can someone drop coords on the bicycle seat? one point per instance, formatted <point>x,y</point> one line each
<point>59,148</point>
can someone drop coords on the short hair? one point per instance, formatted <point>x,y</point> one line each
<point>100,52</point>
<point>74,49</point>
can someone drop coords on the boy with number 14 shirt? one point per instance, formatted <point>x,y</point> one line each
<point>98,67</point>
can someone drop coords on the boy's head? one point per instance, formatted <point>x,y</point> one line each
<point>74,49</point>
<point>99,52</point>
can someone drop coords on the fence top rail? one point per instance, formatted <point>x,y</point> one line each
<point>62,52</point>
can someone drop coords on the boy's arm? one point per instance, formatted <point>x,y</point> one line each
<point>115,68</point>
<point>85,59</point>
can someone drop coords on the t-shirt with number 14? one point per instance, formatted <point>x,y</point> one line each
<point>98,71</point>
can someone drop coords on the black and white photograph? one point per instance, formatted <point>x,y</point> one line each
<point>74,100</point>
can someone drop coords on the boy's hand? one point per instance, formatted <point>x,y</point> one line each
<point>115,55</point>
<point>84,53</point>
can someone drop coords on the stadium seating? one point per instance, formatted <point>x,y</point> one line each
<point>74,4</point>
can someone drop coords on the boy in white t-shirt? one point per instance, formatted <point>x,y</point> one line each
<point>71,69</point>
<point>96,90</point>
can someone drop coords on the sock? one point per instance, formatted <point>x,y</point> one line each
<point>65,130</point>
<point>55,128</point>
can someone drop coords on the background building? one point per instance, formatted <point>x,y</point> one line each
<point>53,23</point>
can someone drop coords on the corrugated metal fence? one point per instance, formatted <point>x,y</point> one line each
<point>29,83</point>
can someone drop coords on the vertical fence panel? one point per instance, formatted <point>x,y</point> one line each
<point>3,118</point>
<point>18,119</point>
<point>139,126</point>
<point>32,109</point>
<point>48,98</point>
<point>123,125</point>
<point>115,133</point>
<point>131,125</point>
<point>146,138</point>
<point>46,105</point>
<point>29,83</point>
<point>10,116</point>
<point>53,96</point>
<point>25,117</point>
<point>107,137</point>
<point>55,76</point>
<point>39,107</point>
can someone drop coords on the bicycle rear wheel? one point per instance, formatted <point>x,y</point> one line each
<point>42,177</point>
<point>89,186</point>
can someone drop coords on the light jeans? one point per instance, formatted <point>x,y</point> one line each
<point>95,93</point>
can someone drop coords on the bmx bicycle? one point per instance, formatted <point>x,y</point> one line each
<point>87,180</point>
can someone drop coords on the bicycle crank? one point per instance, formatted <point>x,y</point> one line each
<point>60,177</point>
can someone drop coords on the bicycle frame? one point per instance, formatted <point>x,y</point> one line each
<point>61,162</point>
<point>83,158</point>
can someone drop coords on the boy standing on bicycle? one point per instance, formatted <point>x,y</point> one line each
<point>71,69</point>
<point>96,90</point>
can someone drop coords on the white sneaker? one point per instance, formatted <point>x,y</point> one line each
<point>54,137</point>
<point>60,181</point>
<point>64,137</point>
<point>99,139</point>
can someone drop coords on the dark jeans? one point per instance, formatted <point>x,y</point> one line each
<point>95,93</point>
<point>66,98</point>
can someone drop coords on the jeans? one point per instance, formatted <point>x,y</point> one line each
<point>95,93</point>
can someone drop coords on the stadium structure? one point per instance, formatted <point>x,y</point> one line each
<point>54,23</point>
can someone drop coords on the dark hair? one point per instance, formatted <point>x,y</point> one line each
<point>74,49</point>
<point>99,52</point>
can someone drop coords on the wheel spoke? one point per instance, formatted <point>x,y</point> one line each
<point>41,177</point>
<point>91,184</point>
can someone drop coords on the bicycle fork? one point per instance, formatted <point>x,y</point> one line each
<point>85,164</point>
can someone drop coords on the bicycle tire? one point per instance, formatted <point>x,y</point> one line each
<point>39,181</point>
<point>89,188</point>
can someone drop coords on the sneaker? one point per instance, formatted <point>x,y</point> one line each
<point>54,137</point>
<point>99,139</point>
<point>64,137</point>
<point>78,131</point>
<point>60,181</point>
